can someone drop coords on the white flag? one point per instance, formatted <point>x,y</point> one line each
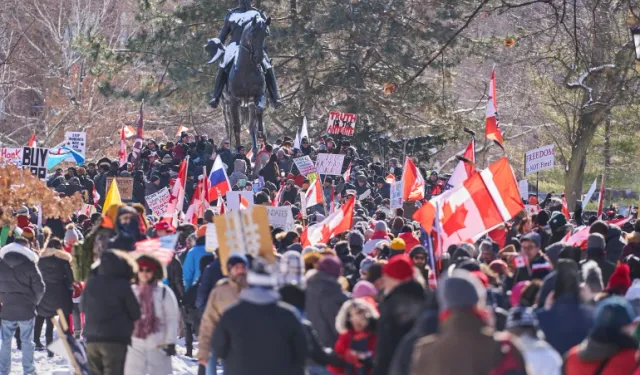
<point>589,194</point>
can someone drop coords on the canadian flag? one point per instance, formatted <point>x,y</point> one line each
<point>198,202</point>
<point>276,200</point>
<point>465,167</point>
<point>314,195</point>
<point>347,174</point>
<point>181,129</point>
<point>123,148</point>
<point>601,198</point>
<point>244,203</point>
<point>95,195</point>
<point>222,207</point>
<point>390,179</point>
<point>32,140</point>
<point>129,131</point>
<point>493,131</point>
<point>565,207</point>
<point>483,202</point>
<point>176,202</point>
<point>413,182</point>
<point>334,224</point>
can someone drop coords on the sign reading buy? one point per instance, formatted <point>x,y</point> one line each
<point>539,159</point>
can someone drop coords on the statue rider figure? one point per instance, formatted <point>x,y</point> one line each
<point>234,23</point>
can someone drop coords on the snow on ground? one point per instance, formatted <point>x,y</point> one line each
<point>182,365</point>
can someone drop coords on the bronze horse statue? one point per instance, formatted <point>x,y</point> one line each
<point>245,88</point>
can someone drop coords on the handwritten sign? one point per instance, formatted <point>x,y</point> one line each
<point>125,187</point>
<point>35,160</point>
<point>341,123</point>
<point>523,187</point>
<point>539,159</point>
<point>11,155</point>
<point>330,164</point>
<point>305,165</point>
<point>158,201</point>
<point>211,238</point>
<point>397,188</point>
<point>76,141</point>
<point>281,217</point>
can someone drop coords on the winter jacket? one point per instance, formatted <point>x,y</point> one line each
<point>174,278</point>
<point>267,329</point>
<point>323,302</point>
<point>615,244</point>
<point>209,278</point>
<point>318,354</point>
<point>385,192</point>
<point>540,357</point>
<point>239,169</point>
<point>270,172</point>
<point>410,241</point>
<point>222,296</point>
<point>398,312</point>
<point>465,346</point>
<point>191,266</point>
<point>21,284</point>
<point>427,324</point>
<point>55,267</point>
<point>605,265</point>
<point>632,246</point>
<point>166,310</point>
<point>589,356</point>
<point>108,302</point>
<point>227,158</point>
<point>539,268</point>
<point>566,324</point>
<point>353,341</point>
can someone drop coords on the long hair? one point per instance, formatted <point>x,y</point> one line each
<point>568,282</point>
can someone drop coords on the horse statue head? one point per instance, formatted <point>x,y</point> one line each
<point>253,36</point>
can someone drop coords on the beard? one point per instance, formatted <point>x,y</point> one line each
<point>241,280</point>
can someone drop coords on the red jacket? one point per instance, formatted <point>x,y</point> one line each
<point>410,241</point>
<point>623,362</point>
<point>343,349</point>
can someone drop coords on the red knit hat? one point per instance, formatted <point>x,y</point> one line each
<point>620,280</point>
<point>400,267</point>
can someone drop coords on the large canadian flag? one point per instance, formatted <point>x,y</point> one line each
<point>315,194</point>
<point>413,182</point>
<point>465,167</point>
<point>483,202</point>
<point>176,202</point>
<point>493,131</point>
<point>334,224</point>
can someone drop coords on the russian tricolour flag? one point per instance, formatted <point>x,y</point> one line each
<point>218,181</point>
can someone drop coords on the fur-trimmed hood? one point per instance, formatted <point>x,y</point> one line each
<point>61,254</point>
<point>342,319</point>
<point>7,252</point>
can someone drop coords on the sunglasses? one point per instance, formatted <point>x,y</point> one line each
<point>145,270</point>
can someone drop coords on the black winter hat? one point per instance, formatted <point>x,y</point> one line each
<point>542,218</point>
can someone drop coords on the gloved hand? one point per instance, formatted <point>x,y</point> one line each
<point>169,349</point>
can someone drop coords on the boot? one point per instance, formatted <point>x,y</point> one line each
<point>218,87</point>
<point>272,88</point>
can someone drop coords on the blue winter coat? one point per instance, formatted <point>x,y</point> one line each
<point>210,277</point>
<point>566,324</point>
<point>191,266</point>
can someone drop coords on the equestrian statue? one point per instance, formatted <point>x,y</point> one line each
<point>245,70</point>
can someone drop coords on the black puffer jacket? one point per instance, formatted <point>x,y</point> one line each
<point>21,285</point>
<point>55,266</point>
<point>398,313</point>
<point>108,301</point>
<point>323,302</point>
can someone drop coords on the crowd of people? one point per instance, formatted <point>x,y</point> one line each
<point>517,301</point>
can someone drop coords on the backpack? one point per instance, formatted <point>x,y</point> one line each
<point>189,298</point>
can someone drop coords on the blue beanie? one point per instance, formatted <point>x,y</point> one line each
<point>612,314</point>
<point>236,258</point>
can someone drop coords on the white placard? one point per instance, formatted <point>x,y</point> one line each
<point>305,165</point>
<point>397,188</point>
<point>539,159</point>
<point>77,141</point>
<point>35,160</point>
<point>233,199</point>
<point>159,201</point>
<point>11,155</point>
<point>211,238</point>
<point>523,187</point>
<point>281,217</point>
<point>330,164</point>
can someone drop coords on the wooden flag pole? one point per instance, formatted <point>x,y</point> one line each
<point>62,326</point>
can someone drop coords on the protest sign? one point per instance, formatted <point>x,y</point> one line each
<point>365,195</point>
<point>305,165</point>
<point>397,188</point>
<point>523,187</point>
<point>235,199</point>
<point>211,238</point>
<point>341,123</point>
<point>532,208</point>
<point>76,141</point>
<point>244,231</point>
<point>539,159</point>
<point>158,201</point>
<point>87,210</point>
<point>330,164</point>
<point>35,160</point>
<point>125,187</point>
<point>281,217</point>
<point>11,155</point>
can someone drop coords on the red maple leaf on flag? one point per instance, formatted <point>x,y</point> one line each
<point>453,221</point>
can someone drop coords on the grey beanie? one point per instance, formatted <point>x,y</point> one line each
<point>553,252</point>
<point>592,276</point>
<point>381,226</point>
<point>596,244</point>
<point>460,290</point>
<point>355,238</point>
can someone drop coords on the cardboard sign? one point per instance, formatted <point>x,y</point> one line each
<point>539,159</point>
<point>125,187</point>
<point>397,188</point>
<point>305,165</point>
<point>76,141</point>
<point>158,201</point>
<point>330,164</point>
<point>341,123</point>
<point>234,199</point>
<point>244,231</point>
<point>365,195</point>
<point>523,187</point>
<point>35,160</point>
<point>211,238</point>
<point>281,217</point>
<point>11,155</point>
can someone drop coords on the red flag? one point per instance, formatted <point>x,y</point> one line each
<point>139,132</point>
<point>347,174</point>
<point>276,200</point>
<point>565,207</point>
<point>123,148</point>
<point>413,182</point>
<point>493,131</point>
<point>32,140</point>
<point>334,224</point>
<point>176,202</point>
<point>425,215</point>
<point>601,198</point>
<point>315,194</point>
<point>390,179</point>
<point>465,167</point>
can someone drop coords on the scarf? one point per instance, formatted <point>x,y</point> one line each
<point>148,322</point>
